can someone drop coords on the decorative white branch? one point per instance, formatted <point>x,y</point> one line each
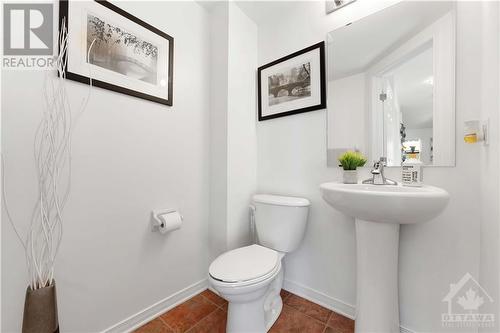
<point>52,153</point>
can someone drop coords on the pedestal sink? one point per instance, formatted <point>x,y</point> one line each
<point>379,210</point>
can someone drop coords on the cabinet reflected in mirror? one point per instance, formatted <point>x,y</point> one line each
<point>391,85</point>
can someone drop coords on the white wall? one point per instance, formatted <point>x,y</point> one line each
<point>219,31</point>
<point>489,159</point>
<point>242,133</point>
<point>129,156</point>
<point>233,132</point>
<point>292,160</point>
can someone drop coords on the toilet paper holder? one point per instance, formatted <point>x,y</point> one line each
<point>157,222</point>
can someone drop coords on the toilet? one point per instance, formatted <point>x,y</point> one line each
<point>250,277</point>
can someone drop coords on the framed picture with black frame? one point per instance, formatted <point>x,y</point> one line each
<point>119,51</point>
<point>293,84</point>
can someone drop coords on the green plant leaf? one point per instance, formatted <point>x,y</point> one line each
<point>350,160</point>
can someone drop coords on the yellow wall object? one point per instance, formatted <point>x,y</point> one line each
<point>470,138</point>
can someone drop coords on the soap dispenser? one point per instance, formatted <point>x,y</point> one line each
<point>411,172</point>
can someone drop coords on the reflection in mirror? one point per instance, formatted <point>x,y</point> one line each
<point>391,85</point>
<point>406,98</point>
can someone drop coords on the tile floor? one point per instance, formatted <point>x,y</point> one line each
<point>206,312</point>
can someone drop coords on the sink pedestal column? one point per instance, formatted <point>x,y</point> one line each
<point>377,306</point>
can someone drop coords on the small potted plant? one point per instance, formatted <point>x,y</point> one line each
<point>350,161</point>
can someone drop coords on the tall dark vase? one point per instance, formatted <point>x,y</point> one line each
<point>40,310</point>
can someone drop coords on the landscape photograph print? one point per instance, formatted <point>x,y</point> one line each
<point>289,84</point>
<point>121,51</point>
<point>292,84</point>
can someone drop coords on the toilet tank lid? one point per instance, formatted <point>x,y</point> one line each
<point>281,200</point>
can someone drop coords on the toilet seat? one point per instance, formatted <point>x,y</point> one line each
<point>245,265</point>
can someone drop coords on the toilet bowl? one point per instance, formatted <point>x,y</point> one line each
<point>250,278</point>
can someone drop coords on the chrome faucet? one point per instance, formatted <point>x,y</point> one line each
<point>378,177</point>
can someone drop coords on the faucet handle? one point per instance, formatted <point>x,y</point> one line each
<point>383,160</point>
<point>376,168</point>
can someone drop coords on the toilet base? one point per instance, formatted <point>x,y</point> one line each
<point>255,311</point>
<point>273,314</point>
<point>246,317</point>
<point>274,303</point>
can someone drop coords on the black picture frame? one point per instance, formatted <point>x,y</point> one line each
<point>320,106</point>
<point>64,14</point>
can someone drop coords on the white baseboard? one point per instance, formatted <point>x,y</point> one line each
<point>405,330</point>
<point>326,301</point>
<point>320,298</point>
<point>153,311</point>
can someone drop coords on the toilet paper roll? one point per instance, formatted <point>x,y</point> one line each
<point>169,221</point>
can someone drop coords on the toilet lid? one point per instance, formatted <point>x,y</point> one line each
<point>243,264</point>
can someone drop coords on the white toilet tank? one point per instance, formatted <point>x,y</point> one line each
<point>280,221</point>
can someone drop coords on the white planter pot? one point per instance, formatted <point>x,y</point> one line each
<point>350,176</point>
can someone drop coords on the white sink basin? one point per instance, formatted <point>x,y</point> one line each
<point>386,203</point>
<point>379,210</point>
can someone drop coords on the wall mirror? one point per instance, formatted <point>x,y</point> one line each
<point>391,85</point>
